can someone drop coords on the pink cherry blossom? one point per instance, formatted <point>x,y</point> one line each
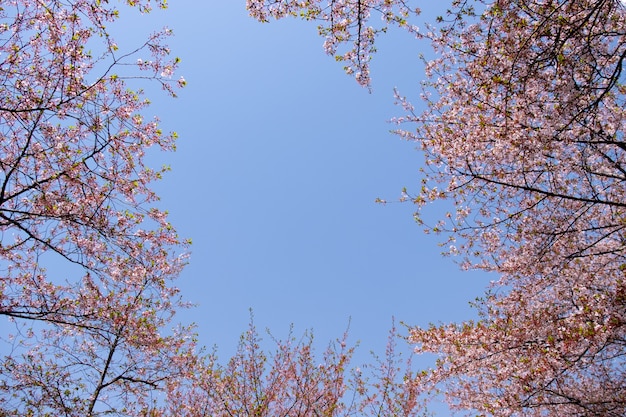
<point>342,23</point>
<point>290,379</point>
<point>90,337</point>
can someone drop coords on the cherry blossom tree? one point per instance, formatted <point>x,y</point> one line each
<point>293,381</point>
<point>523,132</point>
<point>345,24</point>
<point>86,258</point>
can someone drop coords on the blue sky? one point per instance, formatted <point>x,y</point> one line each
<point>280,158</point>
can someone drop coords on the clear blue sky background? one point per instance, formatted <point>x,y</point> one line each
<point>280,158</point>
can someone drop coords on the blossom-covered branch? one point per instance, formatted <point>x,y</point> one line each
<point>75,191</point>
